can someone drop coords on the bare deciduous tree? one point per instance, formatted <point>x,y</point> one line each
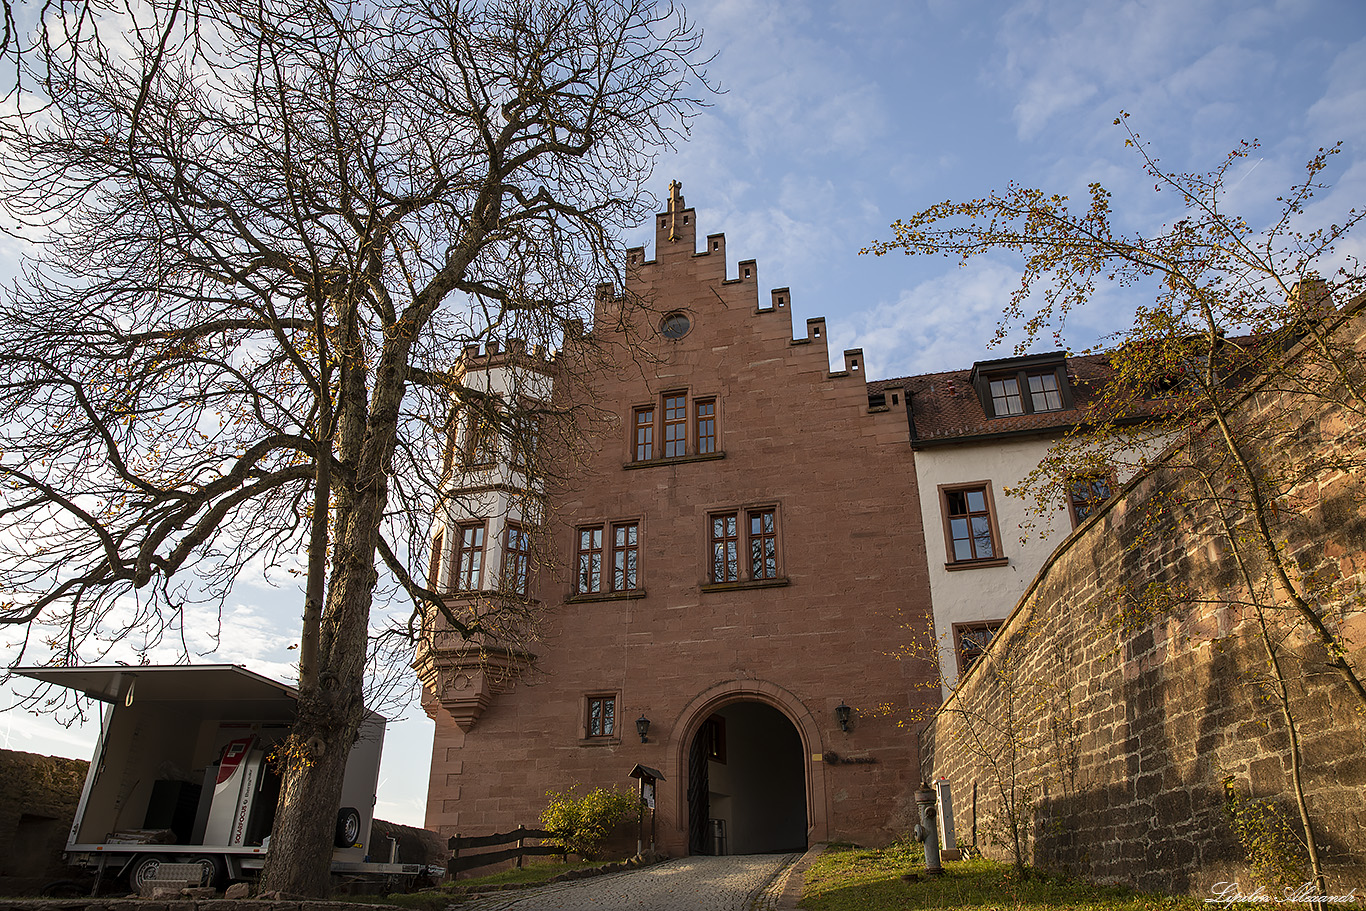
<point>268,237</point>
<point>1231,303</point>
<point>1241,363</point>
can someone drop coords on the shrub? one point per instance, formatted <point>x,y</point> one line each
<point>582,824</point>
<point>1269,839</point>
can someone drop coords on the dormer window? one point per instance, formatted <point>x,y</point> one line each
<point>1044,391</point>
<point>1005,396</point>
<point>1026,385</point>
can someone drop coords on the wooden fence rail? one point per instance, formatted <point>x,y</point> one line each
<point>459,842</point>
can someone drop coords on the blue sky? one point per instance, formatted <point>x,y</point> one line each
<point>837,119</point>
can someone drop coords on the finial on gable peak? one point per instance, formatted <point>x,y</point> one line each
<point>675,206</point>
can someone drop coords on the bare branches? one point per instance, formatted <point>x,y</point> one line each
<point>268,236</point>
<point>1237,363</point>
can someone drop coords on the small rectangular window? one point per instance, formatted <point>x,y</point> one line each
<point>526,443</point>
<point>645,434</point>
<point>625,554</point>
<point>725,548</point>
<point>971,641</point>
<point>516,560</point>
<point>469,559</point>
<point>602,716</point>
<point>675,425</point>
<point>706,426</point>
<point>763,545</point>
<point>1005,397</point>
<point>1084,495</point>
<point>481,440</point>
<point>451,428</point>
<point>970,523</point>
<point>1044,394</point>
<point>434,568</point>
<point>589,572</point>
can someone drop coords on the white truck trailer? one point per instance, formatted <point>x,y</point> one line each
<point>183,773</point>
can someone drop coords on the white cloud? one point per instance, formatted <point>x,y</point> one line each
<point>1341,112</point>
<point>791,90</point>
<point>941,324</point>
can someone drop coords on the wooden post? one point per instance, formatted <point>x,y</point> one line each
<point>520,837</point>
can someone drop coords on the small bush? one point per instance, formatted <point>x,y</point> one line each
<point>582,824</point>
<point>1270,840</point>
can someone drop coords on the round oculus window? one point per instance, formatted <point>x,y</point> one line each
<point>675,325</point>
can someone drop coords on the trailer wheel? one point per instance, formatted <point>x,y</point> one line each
<point>143,870</point>
<point>64,888</point>
<point>348,827</point>
<point>214,872</point>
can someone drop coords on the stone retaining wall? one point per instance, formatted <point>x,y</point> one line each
<point>1129,681</point>
<point>38,797</point>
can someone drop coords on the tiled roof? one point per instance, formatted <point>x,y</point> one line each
<point>945,407</point>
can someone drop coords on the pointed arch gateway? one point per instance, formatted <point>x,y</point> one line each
<point>749,774</point>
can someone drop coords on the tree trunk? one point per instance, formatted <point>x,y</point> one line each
<point>300,855</point>
<point>332,707</point>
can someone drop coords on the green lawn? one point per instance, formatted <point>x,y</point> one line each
<point>857,879</point>
<point>533,872</point>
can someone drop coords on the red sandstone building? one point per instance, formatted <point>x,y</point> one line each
<point>738,556</point>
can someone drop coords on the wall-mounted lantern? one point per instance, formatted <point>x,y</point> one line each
<point>842,713</point>
<point>643,728</point>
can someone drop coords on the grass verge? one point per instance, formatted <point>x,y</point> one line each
<point>893,879</point>
<point>530,874</point>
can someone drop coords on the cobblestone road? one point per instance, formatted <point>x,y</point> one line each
<point>747,882</point>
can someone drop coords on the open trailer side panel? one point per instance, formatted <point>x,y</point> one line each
<point>186,751</point>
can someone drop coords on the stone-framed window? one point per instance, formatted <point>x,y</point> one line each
<point>763,543</point>
<point>600,716</point>
<point>725,547</point>
<point>744,545</point>
<point>670,430</point>
<point>644,425</point>
<point>625,556</point>
<point>607,559</point>
<point>588,560</point>
<point>675,425</point>
<point>434,566</point>
<point>704,412</point>
<point>526,443</point>
<point>481,440</point>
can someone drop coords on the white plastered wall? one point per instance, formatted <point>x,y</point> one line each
<point>987,592</point>
<point>492,494</point>
<point>990,592</point>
